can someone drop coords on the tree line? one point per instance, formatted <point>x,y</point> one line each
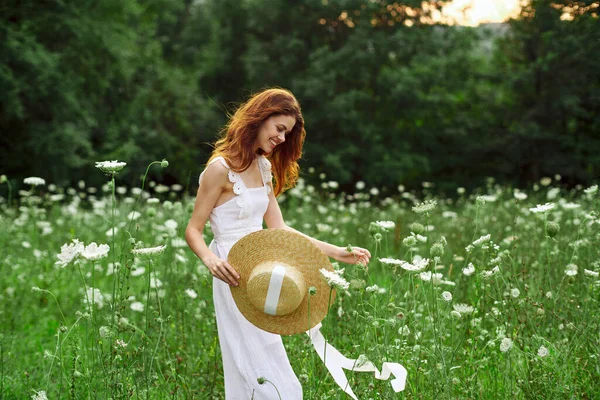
<point>388,96</point>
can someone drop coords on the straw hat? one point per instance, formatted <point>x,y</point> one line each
<point>277,267</point>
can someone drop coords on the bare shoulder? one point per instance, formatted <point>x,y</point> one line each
<point>216,175</point>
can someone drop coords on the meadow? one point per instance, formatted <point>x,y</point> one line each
<point>490,294</point>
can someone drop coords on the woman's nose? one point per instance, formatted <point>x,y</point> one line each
<point>282,137</point>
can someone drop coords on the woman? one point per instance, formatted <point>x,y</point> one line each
<point>264,137</point>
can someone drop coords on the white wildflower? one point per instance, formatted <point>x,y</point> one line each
<point>515,292</point>
<point>41,395</point>
<point>385,225</point>
<point>334,280</point>
<point>373,288</point>
<point>391,262</point>
<point>592,189</point>
<point>94,296</point>
<point>425,206</point>
<point>570,206</point>
<point>571,270</point>
<point>542,208</point>
<point>463,308</point>
<point>520,195</point>
<point>542,351</point>
<point>482,240</point>
<point>137,306</point>
<point>110,167</point>
<point>490,273</point>
<point>132,216</point>
<point>149,251</point>
<point>404,331</point>
<point>192,293</point>
<point>506,344</point>
<point>94,252</point>
<point>469,269</point>
<point>591,273</point>
<point>447,296</point>
<point>69,252</point>
<point>34,181</point>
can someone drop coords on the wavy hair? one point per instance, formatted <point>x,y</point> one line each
<point>236,144</point>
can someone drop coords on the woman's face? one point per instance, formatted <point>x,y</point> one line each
<point>273,132</point>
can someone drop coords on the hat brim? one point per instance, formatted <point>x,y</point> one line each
<point>288,247</point>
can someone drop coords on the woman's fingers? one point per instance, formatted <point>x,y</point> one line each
<point>228,271</point>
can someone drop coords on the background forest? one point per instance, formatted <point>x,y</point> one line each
<point>383,88</point>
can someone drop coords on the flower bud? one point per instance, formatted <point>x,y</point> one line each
<point>552,228</point>
<point>164,163</point>
<point>3,179</point>
<point>417,228</point>
<point>437,250</point>
<point>410,241</point>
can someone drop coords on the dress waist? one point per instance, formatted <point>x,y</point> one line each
<point>232,236</point>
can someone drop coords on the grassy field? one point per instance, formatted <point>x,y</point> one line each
<point>493,294</point>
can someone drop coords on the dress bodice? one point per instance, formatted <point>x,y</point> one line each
<point>244,213</point>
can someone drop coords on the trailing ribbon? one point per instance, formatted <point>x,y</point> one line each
<point>335,361</point>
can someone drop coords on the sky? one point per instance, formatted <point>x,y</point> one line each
<point>475,12</point>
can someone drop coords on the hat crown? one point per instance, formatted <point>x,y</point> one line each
<point>276,288</point>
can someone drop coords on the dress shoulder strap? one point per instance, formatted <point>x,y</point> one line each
<point>265,172</point>
<point>222,160</point>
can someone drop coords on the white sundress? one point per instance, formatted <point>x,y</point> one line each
<point>248,352</point>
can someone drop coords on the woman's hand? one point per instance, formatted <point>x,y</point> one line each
<point>221,269</point>
<point>358,255</point>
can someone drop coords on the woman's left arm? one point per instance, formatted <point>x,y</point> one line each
<point>274,220</point>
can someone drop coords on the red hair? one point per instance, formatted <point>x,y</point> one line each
<point>236,144</point>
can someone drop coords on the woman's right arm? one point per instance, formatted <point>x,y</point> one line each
<point>213,182</point>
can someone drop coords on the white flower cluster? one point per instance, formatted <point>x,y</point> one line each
<point>506,344</point>
<point>71,251</point>
<point>149,252</point>
<point>34,181</point>
<point>542,208</point>
<point>110,167</point>
<point>483,239</point>
<point>463,308</point>
<point>490,273</point>
<point>571,270</point>
<point>385,225</point>
<point>334,280</point>
<point>425,206</point>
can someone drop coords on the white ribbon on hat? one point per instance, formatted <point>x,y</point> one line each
<point>274,290</point>
<point>335,361</point>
